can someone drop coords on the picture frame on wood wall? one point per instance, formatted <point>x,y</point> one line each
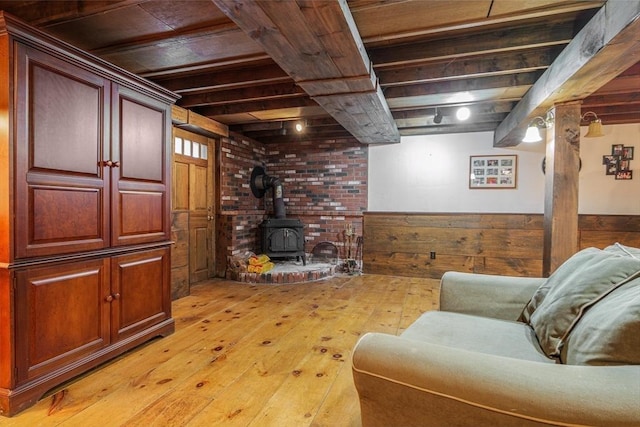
<point>493,172</point>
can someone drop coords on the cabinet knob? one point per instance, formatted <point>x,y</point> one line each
<point>112,297</point>
<point>110,163</point>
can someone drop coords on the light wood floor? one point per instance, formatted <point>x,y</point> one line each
<point>244,355</point>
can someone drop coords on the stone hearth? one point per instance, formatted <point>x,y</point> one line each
<point>289,272</point>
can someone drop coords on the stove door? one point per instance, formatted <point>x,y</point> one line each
<point>283,240</point>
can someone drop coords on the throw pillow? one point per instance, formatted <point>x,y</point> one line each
<point>608,333</point>
<point>620,249</point>
<point>581,279</point>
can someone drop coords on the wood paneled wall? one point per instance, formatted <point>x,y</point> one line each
<point>401,244</point>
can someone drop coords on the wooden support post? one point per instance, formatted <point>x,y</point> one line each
<point>561,187</point>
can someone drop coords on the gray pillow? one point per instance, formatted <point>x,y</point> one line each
<point>608,333</point>
<point>581,279</point>
<point>620,249</point>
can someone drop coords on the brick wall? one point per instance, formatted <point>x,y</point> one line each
<point>325,186</point>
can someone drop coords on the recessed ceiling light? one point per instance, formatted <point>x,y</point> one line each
<point>299,127</point>
<point>463,113</point>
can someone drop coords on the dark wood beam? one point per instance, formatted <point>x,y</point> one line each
<point>502,40</point>
<point>606,46</point>
<point>318,45</point>
<point>209,80</point>
<point>506,13</point>
<point>493,64</point>
<point>47,13</point>
<point>242,95</point>
<point>427,122</point>
<point>444,129</point>
<point>483,108</point>
<point>249,107</point>
<point>562,165</point>
<point>464,85</point>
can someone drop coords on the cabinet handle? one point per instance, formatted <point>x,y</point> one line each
<point>110,163</point>
<point>110,298</point>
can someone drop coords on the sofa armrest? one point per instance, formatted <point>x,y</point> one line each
<point>414,383</point>
<point>500,297</point>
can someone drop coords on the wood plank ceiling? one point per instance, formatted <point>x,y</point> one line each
<point>365,69</point>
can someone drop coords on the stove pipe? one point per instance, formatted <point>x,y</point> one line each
<point>261,182</point>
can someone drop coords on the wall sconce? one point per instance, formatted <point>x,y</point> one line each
<point>533,131</point>
<point>437,119</point>
<point>595,126</point>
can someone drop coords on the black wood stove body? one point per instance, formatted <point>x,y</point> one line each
<point>283,237</point>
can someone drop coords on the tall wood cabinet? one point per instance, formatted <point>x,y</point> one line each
<point>84,212</point>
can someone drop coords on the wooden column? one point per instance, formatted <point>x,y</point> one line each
<point>561,187</point>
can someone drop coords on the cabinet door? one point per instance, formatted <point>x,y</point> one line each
<point>140,204</point>
<point>62,315</point>
<point>63,204</point>
<point>142,292</point>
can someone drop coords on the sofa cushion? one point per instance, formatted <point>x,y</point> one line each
<point>581,279</point>
<point>622,250</point>
<point>608,333</point>
<point>479,334</point>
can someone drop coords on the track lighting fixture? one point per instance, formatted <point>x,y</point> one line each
<point>437,119</point>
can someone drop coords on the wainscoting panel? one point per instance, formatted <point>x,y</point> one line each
<point>427,245</point>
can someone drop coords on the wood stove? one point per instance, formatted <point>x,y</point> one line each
<point>283,237</point>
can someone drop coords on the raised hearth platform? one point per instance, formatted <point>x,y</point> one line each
<point>289,272</point>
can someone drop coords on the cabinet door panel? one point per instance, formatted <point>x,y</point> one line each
<point>60,145</point>
<point>141,141</point>
<point>142,213</point>
<point>141,283</point>
<point>62,214</point>
<point>61,315</point>
<point>140,207</point>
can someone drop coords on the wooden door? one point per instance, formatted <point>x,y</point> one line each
<point>193,195</point>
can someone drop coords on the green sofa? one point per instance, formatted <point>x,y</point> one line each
<point>514,351</point>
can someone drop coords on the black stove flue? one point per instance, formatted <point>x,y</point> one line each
<point>283,237</point>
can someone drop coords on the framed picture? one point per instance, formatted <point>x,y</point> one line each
<point>627,153</point>
<point>624,174</point>
<point>616,149</point>
<point>493,171</point>
<point>611,163</point>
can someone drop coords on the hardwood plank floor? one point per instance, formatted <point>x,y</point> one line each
<point>244,355</point>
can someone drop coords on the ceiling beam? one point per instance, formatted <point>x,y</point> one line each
<point>471,67</point>
<point>501,40</point>
<point>244,95</point>
<point>606,46</point>
<point>318,45</point>
<point>207,79</point>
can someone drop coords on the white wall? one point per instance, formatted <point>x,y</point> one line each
<point>430,174</point>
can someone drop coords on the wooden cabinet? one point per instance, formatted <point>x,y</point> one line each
<point>84,212</point>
